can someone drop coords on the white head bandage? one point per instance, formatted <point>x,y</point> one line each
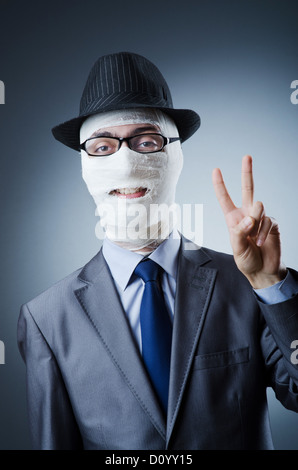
<point>135,222</point>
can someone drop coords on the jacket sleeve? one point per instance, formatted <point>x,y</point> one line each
<point>281,324</point>
<point>51,419</point>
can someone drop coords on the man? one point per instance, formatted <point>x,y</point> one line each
<point>100,375</point>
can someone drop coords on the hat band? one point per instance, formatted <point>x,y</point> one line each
<point>122,99</point>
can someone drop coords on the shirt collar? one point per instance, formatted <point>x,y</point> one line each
<point>122,262</point>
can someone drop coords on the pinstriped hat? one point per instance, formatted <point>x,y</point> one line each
<point>121,81</point>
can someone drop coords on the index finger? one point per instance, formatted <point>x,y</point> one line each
<point>247,183</point>
<point>221,192</point>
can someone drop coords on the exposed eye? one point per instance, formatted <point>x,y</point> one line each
<point>147,143</point>
<point>102,146</point>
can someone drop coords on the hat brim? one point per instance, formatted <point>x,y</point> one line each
<point>186,120</point>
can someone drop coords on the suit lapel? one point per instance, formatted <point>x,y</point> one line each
<point>100,301</point>
<point>194,288</point>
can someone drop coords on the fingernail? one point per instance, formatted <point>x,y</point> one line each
<point>259,242</point>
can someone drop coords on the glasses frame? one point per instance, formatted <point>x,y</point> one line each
<point>166,141</point>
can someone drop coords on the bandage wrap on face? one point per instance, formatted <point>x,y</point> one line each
<point>136,222</point>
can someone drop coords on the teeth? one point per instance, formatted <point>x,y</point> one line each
<point>128,190</point>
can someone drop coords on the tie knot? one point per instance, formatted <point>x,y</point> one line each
<point>147,270</point>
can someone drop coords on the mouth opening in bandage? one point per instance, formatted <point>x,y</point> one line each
<point>129,193</point>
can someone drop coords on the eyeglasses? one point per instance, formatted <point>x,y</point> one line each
<point>103,146</point>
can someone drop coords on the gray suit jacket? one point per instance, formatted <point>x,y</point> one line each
<point>87,387</point>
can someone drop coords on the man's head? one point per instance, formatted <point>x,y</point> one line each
<point>130,138</point>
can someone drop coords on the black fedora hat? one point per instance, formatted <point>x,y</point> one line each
<point>120,81</point>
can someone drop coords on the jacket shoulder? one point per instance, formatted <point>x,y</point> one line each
<point>61,294</point>
<point>202,254</point>
<point>227,271</point>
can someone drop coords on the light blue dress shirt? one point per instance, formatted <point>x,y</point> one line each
<point>122,263</point>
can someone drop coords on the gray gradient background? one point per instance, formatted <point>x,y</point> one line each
<point>231,61</point>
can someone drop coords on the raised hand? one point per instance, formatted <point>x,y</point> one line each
<point>255,238</point>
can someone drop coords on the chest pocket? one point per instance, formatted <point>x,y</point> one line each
<point>221,359</point>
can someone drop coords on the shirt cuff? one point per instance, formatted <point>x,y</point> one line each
<point>279,292</point>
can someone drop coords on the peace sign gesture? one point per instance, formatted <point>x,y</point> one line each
<point>255,238</point>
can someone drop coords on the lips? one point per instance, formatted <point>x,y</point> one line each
<point>129,193</point>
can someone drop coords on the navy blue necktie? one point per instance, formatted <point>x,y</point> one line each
<point>156,329</point>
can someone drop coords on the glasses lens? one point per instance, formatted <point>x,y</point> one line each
<point>101,146</point>
<point>147,143</point>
